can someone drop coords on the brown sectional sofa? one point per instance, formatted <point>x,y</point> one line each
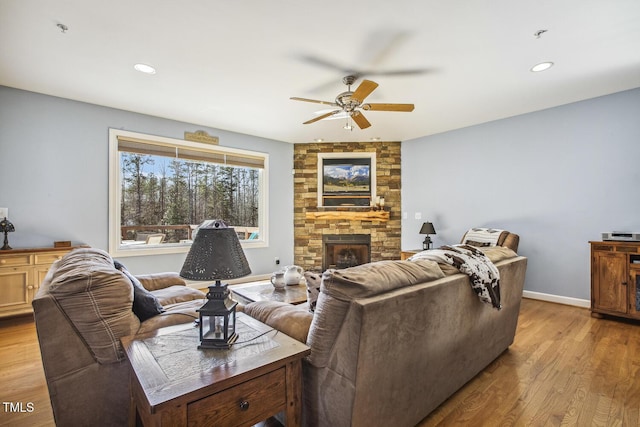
<point>390,341</point>
<point>82,309</point>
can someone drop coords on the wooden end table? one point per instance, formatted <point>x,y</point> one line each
<point>408,253</point>
<point>175,384</point>
<point>263,290</point>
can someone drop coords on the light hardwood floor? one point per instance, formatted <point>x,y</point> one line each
<point>564,368</point>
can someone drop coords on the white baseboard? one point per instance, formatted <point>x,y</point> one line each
<point>557,299</point>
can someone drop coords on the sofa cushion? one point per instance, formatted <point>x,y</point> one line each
<point>290,319</point>
<point>377,277</point>
<point>145,304</point>
<point>97,299</point>
<point>155,281</point>
<point>177,294</point>
<point>174,314</point>
<point>498,253</point>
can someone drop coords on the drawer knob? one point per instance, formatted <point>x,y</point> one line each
<point>3,261</point>
<point>244,405</point>
<point>30,287</point>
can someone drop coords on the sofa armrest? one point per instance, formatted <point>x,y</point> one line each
<point>511,241</point>
<point>155,281</point>
<point>286,318</point>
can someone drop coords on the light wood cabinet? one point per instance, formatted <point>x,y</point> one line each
<point>615,279</point>
<point>21,272</point>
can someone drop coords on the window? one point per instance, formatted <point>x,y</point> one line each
<point>161,189</point>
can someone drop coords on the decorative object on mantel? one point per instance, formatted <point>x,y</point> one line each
<point>201,136</point>
<point>427,228</point>
<point>378,204</point>
<point>62,244</point>
<point>6,227</point>
<point>216,254</point>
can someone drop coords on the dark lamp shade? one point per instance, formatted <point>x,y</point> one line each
<point>215,254</point>
<point>427,228</point>
<point>6,226</point>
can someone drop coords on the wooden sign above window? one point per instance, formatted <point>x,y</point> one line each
<point>201,136</point>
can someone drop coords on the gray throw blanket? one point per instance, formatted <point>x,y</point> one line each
<point>484,275</point>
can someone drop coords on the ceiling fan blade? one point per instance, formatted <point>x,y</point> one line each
<point>360,120</point>
<point>323,116</point>
<point>333,104</point>
<point>388,107</point>
<point>325,63</point>
<point>407,72</point>
<point>365,88</point>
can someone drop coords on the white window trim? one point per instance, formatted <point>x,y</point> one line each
<point>117,250</point>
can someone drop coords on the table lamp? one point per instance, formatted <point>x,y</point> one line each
<point>216,254</point>
<point>427,228</point>
<point>6,227</point>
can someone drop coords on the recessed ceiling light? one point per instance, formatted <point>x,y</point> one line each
<point>541,66</point>
<point>377,138</point>
<point>144,68</point>
<point>319,140</point>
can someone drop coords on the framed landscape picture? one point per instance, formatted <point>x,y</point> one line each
<point>346,179</point>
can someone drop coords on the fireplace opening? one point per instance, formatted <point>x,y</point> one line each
<point>345,250</point>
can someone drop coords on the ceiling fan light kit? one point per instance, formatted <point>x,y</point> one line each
<point>351,103</point>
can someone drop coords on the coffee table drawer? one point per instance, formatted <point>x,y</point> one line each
<point>246,403</point>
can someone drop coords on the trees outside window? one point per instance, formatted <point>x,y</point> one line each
<point>165,188</point>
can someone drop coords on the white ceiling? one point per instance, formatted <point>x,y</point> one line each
<point>234,64</point>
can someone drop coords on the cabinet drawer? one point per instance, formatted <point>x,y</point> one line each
<point>245,404</point>
<point>48,258</point>
<point>15,260</point>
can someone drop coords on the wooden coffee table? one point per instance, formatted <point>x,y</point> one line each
<point>175,384</point>
<point>263,290</point>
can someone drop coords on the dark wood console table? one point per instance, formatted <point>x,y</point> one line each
<point>615,279</point>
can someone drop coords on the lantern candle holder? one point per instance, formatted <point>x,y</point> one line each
<point>217,319</point>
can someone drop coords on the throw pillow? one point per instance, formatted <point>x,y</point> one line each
<point>313,288</point>
<point>477,244</point>
<point>145,304</point>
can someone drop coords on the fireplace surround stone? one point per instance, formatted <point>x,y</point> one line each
<point>385,234</point>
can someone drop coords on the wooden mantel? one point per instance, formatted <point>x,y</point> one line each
<point>350,215</point>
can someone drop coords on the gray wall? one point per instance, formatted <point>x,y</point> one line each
<point>557,177</point>
<point>54,175</point>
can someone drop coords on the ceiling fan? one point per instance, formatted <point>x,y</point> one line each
<point>351,103</point>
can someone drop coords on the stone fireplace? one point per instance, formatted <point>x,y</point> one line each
<point>345,250</point>
<point>313,224</point>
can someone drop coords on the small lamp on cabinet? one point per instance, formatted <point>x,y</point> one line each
<point>6,227</point>
<point>427,228</point>
<point>216,254</point>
